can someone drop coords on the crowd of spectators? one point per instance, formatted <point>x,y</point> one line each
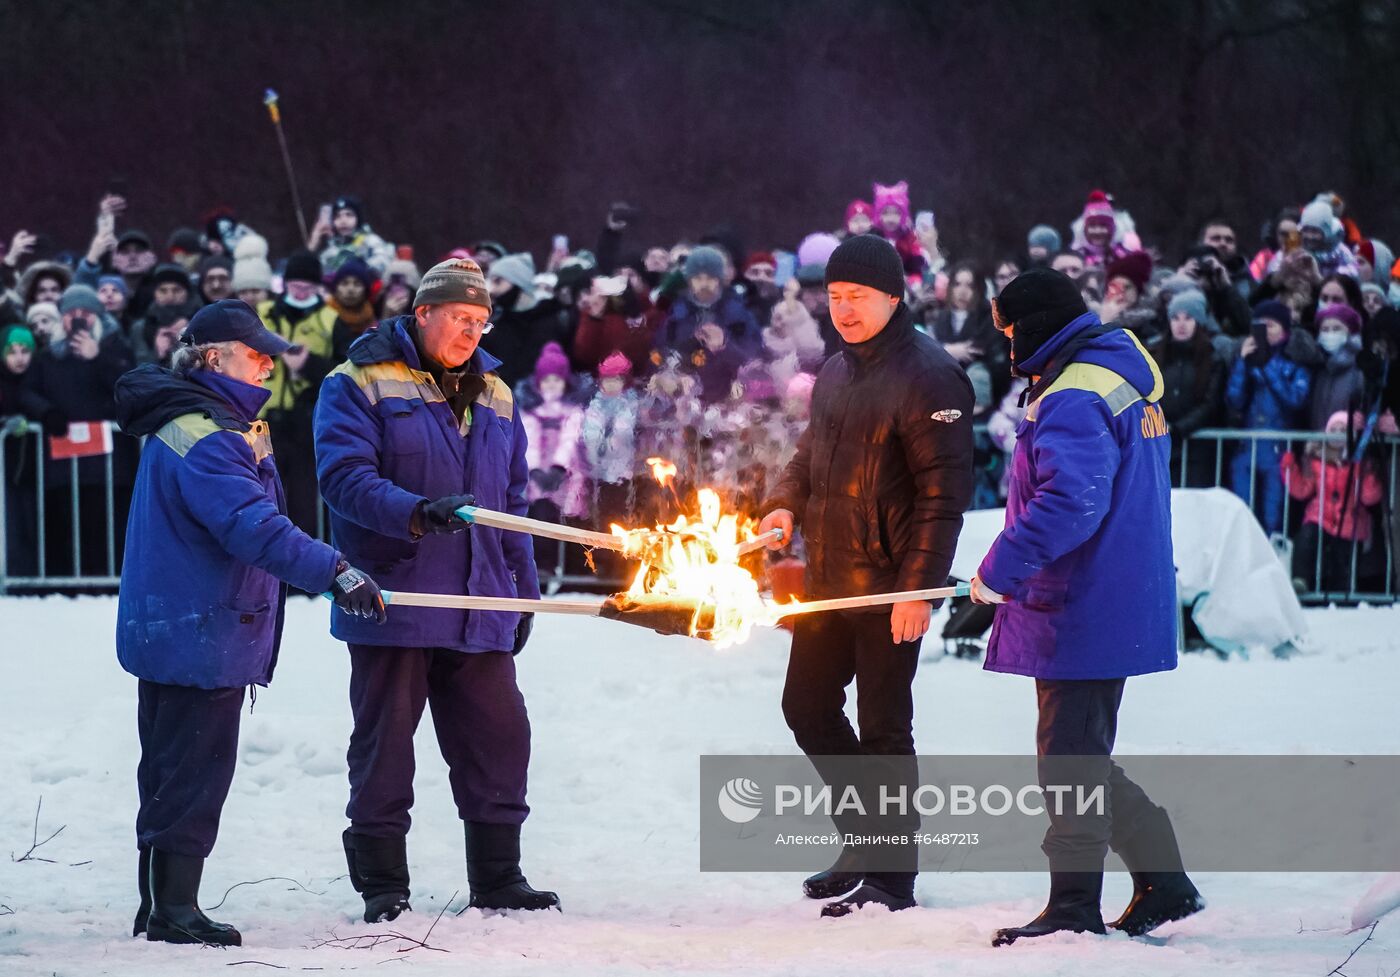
<point>704,352</point>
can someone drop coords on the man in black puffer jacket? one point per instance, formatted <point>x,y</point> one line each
<point>878,486</point>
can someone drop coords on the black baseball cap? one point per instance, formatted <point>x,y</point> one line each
<point>233,320</point>
<point>133,236</point>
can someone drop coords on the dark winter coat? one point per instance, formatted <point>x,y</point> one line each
<point>518,336</point>
<point>82,390</point>
<point>1193,390</point>
<point>686,317</point>
<point>1338,385</point>
<point>1086,555</point>
<point>387,440</point>
<point>883,472</point>
<point>978,327</point>
<point>208,543</point>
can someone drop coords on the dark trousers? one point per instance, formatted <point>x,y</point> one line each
<point>189,744</point>
<point>481,724</point>
<point>829,650</point>
<point>1079,721</point>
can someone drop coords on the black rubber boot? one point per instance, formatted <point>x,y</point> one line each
<point>1163,894</point>
<point>143,886</point>
<point>869,894</point>
<point>175,913</point>
<point>493,870</point>
<point>379,873</point>
<point>836,881</point>
<point>1073,907</point>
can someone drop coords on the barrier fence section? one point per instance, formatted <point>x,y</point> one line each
<point>58,534</point>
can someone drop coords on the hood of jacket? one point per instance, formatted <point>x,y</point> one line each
<point>149,397</point>
<point>1088,340</point>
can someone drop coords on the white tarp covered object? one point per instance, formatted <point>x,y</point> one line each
<point>1226,571</point>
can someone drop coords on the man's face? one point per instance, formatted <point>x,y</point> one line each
<point>705,289</point>
<point>239,361</point>
<point>350,292</point>
<point>252,295</point>
<point>1069,265</point>
<point>170,293</point>
<point>133,258</point>
<point>112,298</point>
<point>452,331</point>
<point>344,222</point>
<point>17,358</point>
<point>77,320</point>
<point>1221,237</point>
<point>217,284</point>
<point>48,289</point>
<point>45,323</point>
<point>1313,239</point>
<point>761,277</point>
<point>657,260</point>
<point>300,291</point>
<point>188,260</point>
<point>167,337</point>
<point>858,311</point>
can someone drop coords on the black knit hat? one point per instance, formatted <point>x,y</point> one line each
<point>1036,304</point>
<point>867,260</point>
<point>303,266</point>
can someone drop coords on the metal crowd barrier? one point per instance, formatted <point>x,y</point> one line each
<point>1222,444</point>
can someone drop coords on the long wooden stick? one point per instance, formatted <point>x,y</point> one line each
<point>759,542</point>
<point>872,600</point>
<point>538,527</point>
<point>402,598</point>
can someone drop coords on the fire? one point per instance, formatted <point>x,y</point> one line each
<point>696,558</point>
<point>663,471</point>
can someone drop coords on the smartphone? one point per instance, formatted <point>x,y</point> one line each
<point>923,221</point>
<point>404,252</point>
<point>1259,330</point>
<point>325,217</point>
<point>561,243</point>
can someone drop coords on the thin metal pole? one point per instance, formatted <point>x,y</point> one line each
<point>1219,459</point>
<point>1288,484</point>
<point>40,469</point>
<point>1185,446</point>
<point>73,498</point>
<point>1321,519</point>
<point>111,521</point>
<point>1389,536</point>
<point>4,513</point>
<point>1253,473</point>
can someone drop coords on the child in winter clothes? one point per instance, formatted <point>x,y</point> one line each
<point>1269,390</point>
<point>1339,383</point>
<point>1341,497</point>
<point>554,427</point>
<point>1101,234</point>
<point>610,447</point>
<point>897,226</point>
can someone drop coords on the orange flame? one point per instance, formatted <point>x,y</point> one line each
<point>697,558</point>
<point>663,471</point>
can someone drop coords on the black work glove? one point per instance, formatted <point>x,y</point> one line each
<point>356,593</point>
<point>55,423</point>
<point>522,633</point>
<point>440,516</point>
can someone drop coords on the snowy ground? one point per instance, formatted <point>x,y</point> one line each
<point>619,718</point>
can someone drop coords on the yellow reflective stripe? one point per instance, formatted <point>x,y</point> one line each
<point>186,431</point>
<point>1158,386</point>
<point>1116,392</point>
<point>497,397</point>
<point>381,381</point>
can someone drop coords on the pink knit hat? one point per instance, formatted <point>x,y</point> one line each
<point>553,362</point>
<point>1099,209</point>
<point>616,365</point>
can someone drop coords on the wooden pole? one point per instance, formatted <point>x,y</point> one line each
<point>872,600</point>
<point>400,598</point>
<point>538,527</point>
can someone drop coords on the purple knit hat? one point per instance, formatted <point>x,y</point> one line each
<point>1344,314</point>
<point>553,362</point>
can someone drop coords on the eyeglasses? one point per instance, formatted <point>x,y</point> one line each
<point>482,326</point>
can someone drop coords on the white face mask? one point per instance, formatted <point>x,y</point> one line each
<point>305,303</point>
<point>1332,340</point>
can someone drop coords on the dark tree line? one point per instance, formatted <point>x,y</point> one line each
<point>524,118</point>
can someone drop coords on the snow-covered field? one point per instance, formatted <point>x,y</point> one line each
<point>620,717</point>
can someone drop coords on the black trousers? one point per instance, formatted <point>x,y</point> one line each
<point>829,650</point>
<point>482,729</point>
<point>1074,742</point>
<point>189,745</point>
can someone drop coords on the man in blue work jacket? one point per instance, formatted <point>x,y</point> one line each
<point>414,426</point>
<point>1086,591</point>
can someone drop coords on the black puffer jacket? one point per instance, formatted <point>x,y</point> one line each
<point>883,472</point>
